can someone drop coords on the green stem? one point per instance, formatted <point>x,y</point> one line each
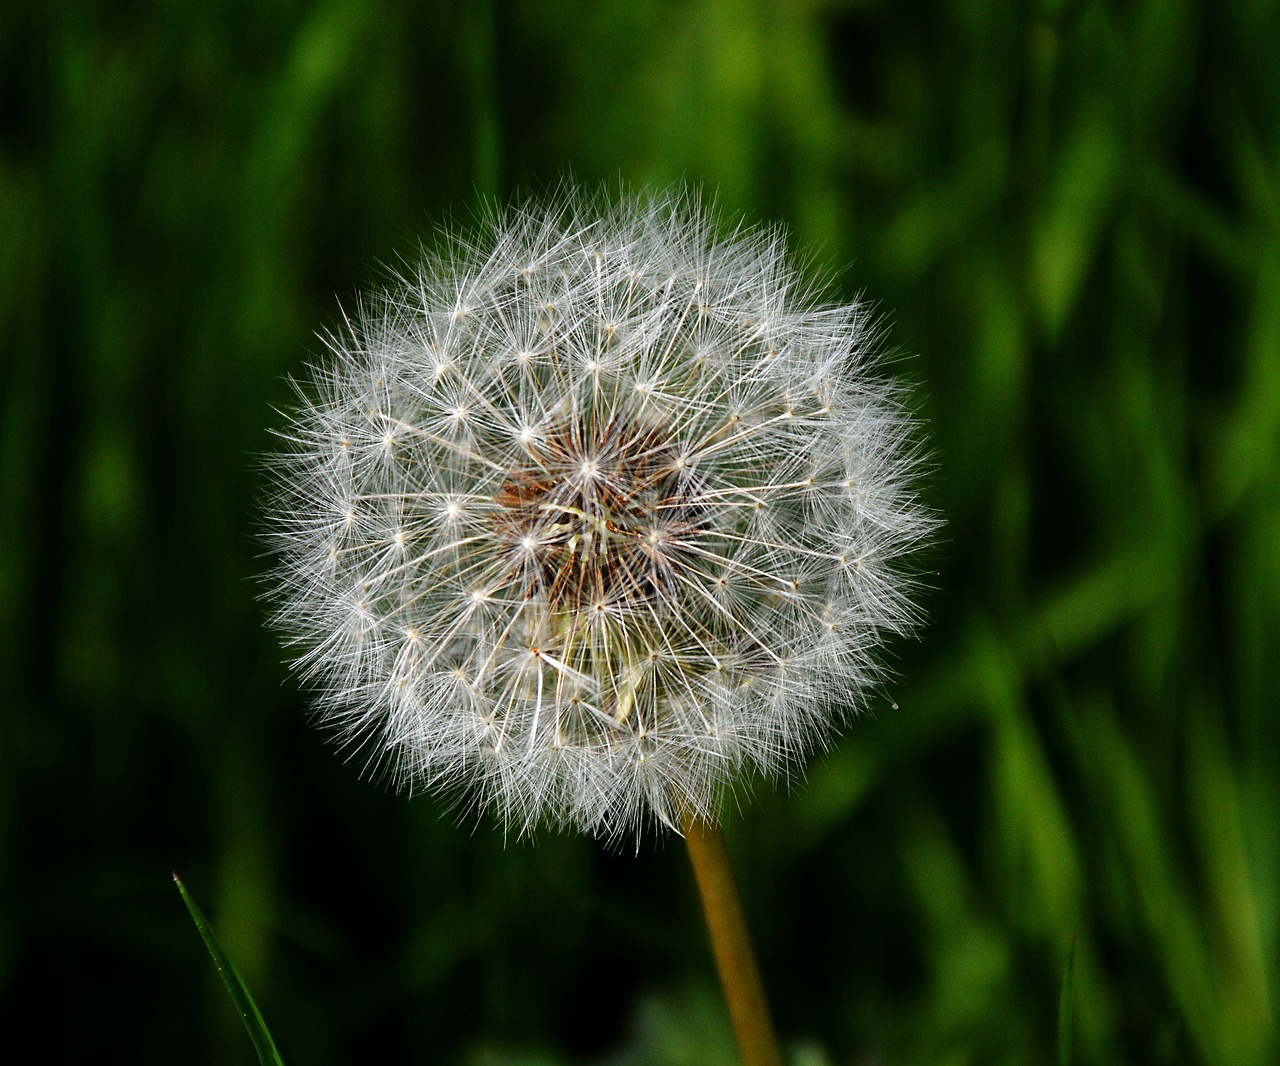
<point>735,959</point>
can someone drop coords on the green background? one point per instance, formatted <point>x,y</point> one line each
<point>1069,217</point>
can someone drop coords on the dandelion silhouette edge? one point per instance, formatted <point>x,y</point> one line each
<point>592,512</point>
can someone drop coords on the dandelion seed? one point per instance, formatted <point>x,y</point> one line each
<point>619,528</point>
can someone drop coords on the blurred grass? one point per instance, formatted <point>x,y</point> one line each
<point>1071,213</point>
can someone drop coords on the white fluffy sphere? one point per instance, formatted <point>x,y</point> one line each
<point>593,512</point>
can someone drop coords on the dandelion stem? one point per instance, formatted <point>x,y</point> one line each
<point>735,958</point>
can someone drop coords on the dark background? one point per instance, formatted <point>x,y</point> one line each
<point>1069,215</point>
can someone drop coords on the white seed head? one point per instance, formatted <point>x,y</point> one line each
<point>593,513</point>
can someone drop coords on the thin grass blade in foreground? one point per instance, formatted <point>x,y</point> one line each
<point>236,988</point>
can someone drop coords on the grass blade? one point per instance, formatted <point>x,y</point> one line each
<point>249,1014</point>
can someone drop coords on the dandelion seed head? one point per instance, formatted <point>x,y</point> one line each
<point>593,513</point>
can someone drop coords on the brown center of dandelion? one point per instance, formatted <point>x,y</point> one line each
<point>599,517</point>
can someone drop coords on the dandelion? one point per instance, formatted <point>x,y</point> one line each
<point>593,514</point>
